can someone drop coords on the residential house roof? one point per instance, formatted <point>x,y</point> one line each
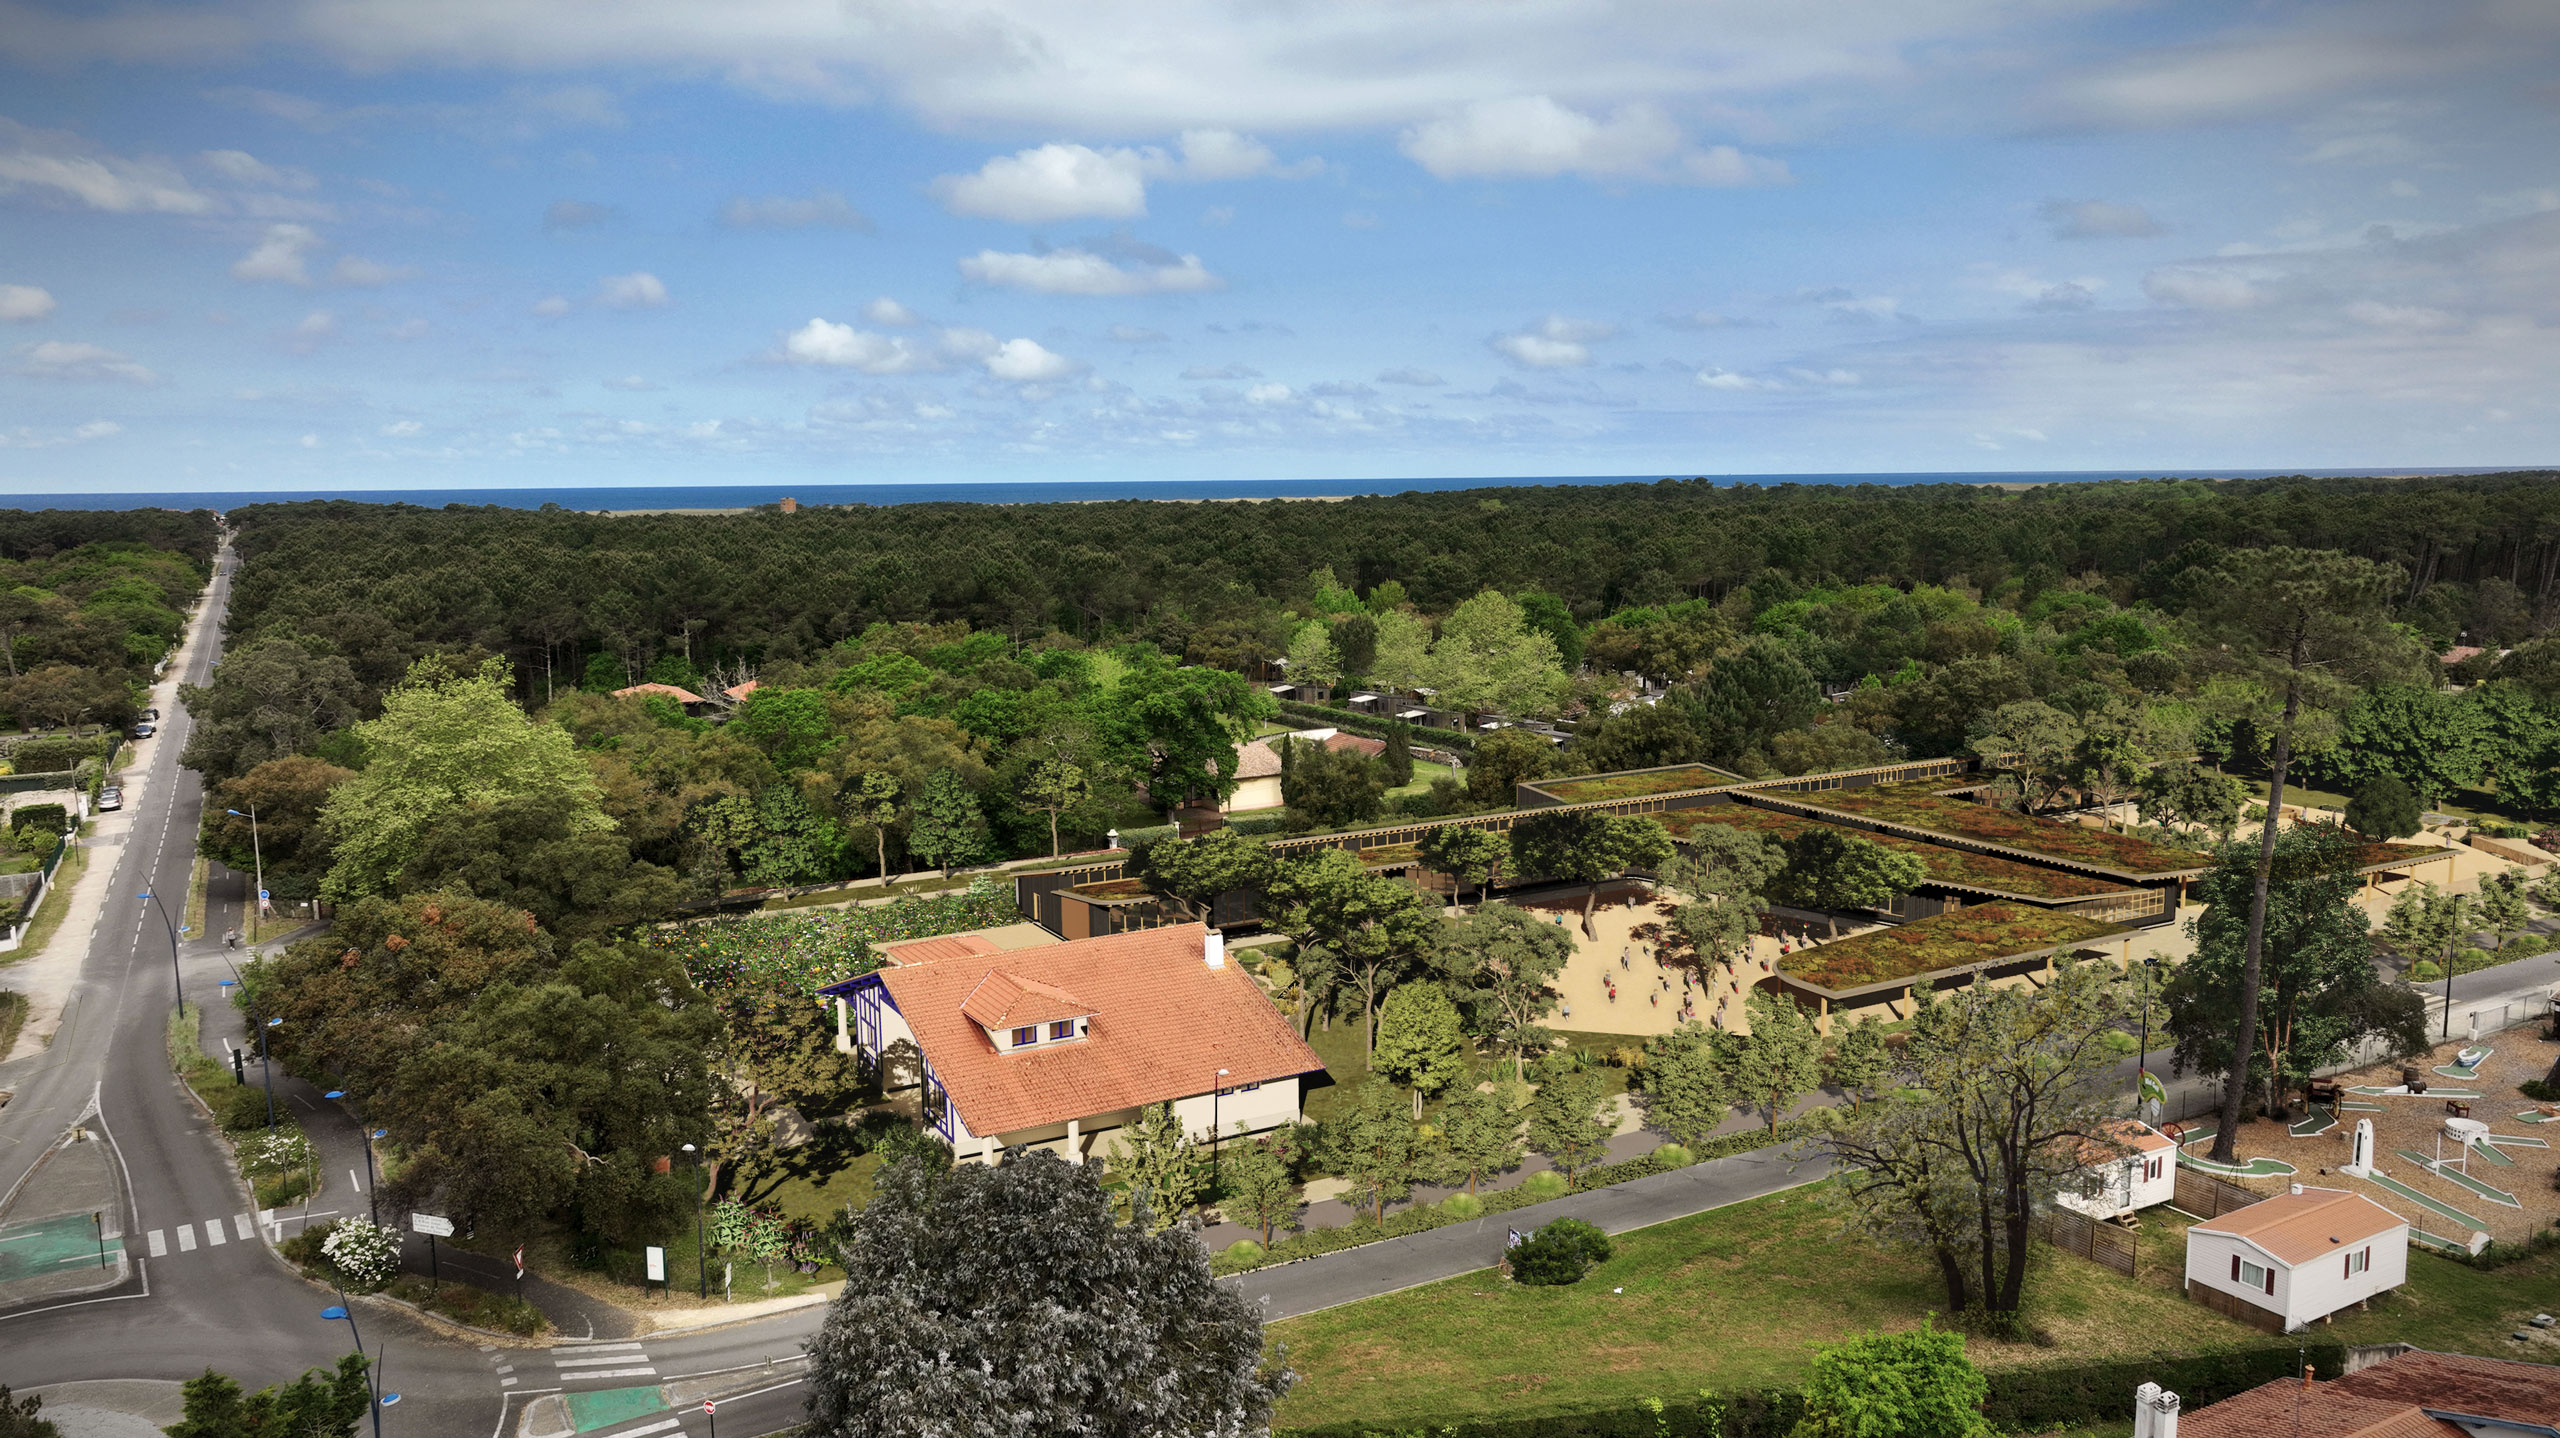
<point>1163,1023</point>
<point>681,696</point>
<point>2298,1227</point>
<point>949,946</point>
<point>2460,652</point>
<point>2397,1398</point>
<point>2117,1134</point>
<point>740,692</point>
<point>1001,1001</point>
<point>1257,760</point>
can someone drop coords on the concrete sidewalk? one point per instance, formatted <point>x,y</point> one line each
<point>1290,1289</point>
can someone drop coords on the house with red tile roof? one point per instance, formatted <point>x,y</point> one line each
<point>2124,1168</point>
<point>2417,1394</point>
<point>2296,1258</point>
<point>681,696</point>
<point>1060,1047</point>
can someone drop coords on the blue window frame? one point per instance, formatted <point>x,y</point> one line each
<point>1026,1035</point>
<point>1063,1029</point>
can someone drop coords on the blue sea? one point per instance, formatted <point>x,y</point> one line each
<point>743,496</point>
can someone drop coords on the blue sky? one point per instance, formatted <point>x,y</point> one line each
<point>314,244</point>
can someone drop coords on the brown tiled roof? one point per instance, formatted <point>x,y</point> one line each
<point>1257,760</point>
<point>2323,1410</point>
<point>2459,1383</point>
<point>2299,1227</point>
<point>1361,742</point>
<point>681,696</point>
<point>949,946</point>
<point>2123,1133</point>
<point>1163,1024</point>
<point>1001,1001</point>
<point>740,692</point>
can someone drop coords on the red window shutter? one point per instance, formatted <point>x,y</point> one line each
<point>2351,1266</point>
<point>2235,1268</point>
<point>2271,1279</point>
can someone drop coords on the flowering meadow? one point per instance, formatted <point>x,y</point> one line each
<point>812,950</point>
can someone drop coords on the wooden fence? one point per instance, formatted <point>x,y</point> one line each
<point>2101,1243</point>
<point>2206,1196</point>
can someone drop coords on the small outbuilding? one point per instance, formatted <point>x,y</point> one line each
<point>2294,1259</point>
<point>2126,1168</point>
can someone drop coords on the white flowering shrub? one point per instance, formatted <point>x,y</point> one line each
<point>283,1151</point>
<point>365,1254</point>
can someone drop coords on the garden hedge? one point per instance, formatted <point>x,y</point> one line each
<point>2022,1400</point>
<point>1351,722</point>
<point>49,818</point>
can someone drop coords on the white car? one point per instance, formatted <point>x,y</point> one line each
<point>110,799</point>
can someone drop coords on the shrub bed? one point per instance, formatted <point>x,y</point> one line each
<point>811,951</point>
<point>1374,727</point>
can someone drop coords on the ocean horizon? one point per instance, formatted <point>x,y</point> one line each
<point>614,498</point>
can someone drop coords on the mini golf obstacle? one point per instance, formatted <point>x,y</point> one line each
<point>2351,1106</point>
<point>2402,1091</point>
<point>2318,1121</point>
<point>2516,1140</point>
<point>2396,1188</point>
<point>2535,1115</point>
<point>2188,1139</point>
<point>2466,1064</point>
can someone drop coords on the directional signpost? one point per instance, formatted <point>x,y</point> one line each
<point>434,1226</point>
<point>658,1268</point>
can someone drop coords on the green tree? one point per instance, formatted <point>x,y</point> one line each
<point>1402,651</point>
<point>1551,616</point>
<point>578,883</point>
<point>271,698</point>
<point>1688,1084</point>
<point>287,796</point>
<point>1828,747</point>
<point>1780,1060</point>
<point>322,1403</point>
<point>1377,931</point>
<point>1355,639</point>
<point>1914,1384</point>
<point>1726,872</point>
<point>873,798</point>
<point>1421,1043</point>
<point>2184,792</point>
<point>791,726</point>
<point>1008,1294</point>
<point>1858,1058</point>
<point>2435,742</point>
<point>1312,659</point>
<point>1509,959</point>
<point>1466,854</point>
<point>1257,1185</point>
<point>21,1417</point>
<point>1487,657</point>
<point>1565,1122</point>
<point>1833,869</point>
<point>1161,1163</point>
<point>2319,996</point>
<point>1179,726</point>
<point>1749,697</point>
<point>1330,787</point>
<point>2298,626</point>
<point>2036,741</point>
<point>1504,758</point>
<point>2502,905</point>
<point>949,829</point>
<point>768,1055</point>
<point>1583,847</point>
<point>1987,1104</point>
<point>1377,1151</point>
<point>447,743</point>
<point>1479,1136</point>
<point>2385,808</point>
<point>1053,787</point>
<point>1396,761</point>
<point>1194,873</point>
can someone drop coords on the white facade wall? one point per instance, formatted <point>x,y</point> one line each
<point>2304,1293</point>
<point>2128,1186</point>
<point>1253,794</point>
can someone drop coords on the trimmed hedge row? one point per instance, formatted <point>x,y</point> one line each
<point>1421,1218</point>
<point>2022,1400</point>
<point>1353,722</point>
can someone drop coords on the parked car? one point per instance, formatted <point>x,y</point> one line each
<point>150,713</point>
<point>110,799</point>
<point>145,731</point>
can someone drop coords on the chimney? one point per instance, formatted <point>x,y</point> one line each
<point>1213,949</point>
<point>2306,1375</point>
<point>2164,1416</point>
<point>2297,1190</point>
<point>2143,1399</point>
<point>790,505</point>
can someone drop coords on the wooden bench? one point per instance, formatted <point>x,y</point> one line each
<point>2455,1108</point>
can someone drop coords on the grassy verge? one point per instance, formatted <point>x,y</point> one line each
<point>49,910</point>
<point>1736,1299</point>
<point>458,1301</point>
<point>13,1013</point>
<point>196,899</point>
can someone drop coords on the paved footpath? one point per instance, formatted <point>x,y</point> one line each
<point>1290,1289</point>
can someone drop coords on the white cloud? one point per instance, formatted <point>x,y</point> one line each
<point>1411,376</point>
<point>1053,182</point>
<point>639,290</point>
<point>1726,379</point>
<point>551,307</point>
<point>1533,136</point>
<point>310,441</point>
<point>248,169</point>
<point>24,437</point>
<point>402,429</point>
<point>631,384</point>
<point>819,209</point>
<point>886,311</point>
<point>73,360</point>
<point>66,166</point>
<point>1221,154</point>
<point>98,429</point>
<point>313,328</point>
<point>1221,372</point>
<point>1081,272</point>
<point>1834,377</point>
<point>1268,394</point>
<point>278,257</point>
<point>2098,220</point>
<point>1024,361</point>
<point>1554,342</point>
<point>2398,317</point>
<point>1135,335</point>
<point>360,273</point>
<point>824,342</point>
<point>2198,288</point>
<point>21,304</point>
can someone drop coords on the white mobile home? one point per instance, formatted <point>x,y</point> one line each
<point>2294,1259</point>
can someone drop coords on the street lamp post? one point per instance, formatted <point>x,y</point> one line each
<point>267,1071</point>
<point>257,856</point>
<point>371,1213</point>
<point>2142,1059</point>
<point>1216,1089</point>
<point>701,1260</point>
<point>176,986</point>
<point>372,1386</point>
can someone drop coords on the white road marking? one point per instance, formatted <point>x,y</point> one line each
<point>247,1225</point>
<point>352,1181</point>
<point>599,1348</point>
<point>213,1235</point>
<point>159,1244</point>
<point>506,1368</point>
<point>506,1383</point>
<point>600,1362</point>
<point>186,1238</point>
<point>661,1426</point>
<point>612,1373</point>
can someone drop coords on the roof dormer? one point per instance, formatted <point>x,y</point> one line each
<point>1018,1014</point>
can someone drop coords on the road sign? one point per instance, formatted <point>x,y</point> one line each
<point>706,1405</point>
<point>519,1260</point>
<point>432,1225</point>
<point>657,1265</point>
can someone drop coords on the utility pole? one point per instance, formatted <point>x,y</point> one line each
<point>257,856</point>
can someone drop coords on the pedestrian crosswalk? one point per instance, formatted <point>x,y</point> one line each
<point>210,1233</point>
<point>595,1362</point>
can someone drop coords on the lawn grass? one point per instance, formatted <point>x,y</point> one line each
<point>197,883</point>
<point>1424,771</point>
<point>1734,1299</point>
<point>13,1012</point>
<point>49,910</point>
